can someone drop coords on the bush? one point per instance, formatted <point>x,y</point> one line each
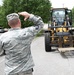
<point>40,33</point>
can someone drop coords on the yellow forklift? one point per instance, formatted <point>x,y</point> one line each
<point>60,32</point>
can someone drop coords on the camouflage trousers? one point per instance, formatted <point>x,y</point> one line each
<point>29,72</point>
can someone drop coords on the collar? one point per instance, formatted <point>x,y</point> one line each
<point>15,28</point>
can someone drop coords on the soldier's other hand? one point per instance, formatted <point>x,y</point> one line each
<point>25,14</point>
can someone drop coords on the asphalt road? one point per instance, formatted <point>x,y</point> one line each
<point>51,63</point>
<point>48,63</point>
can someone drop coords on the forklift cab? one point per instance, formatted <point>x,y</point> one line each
<point>59,16</point>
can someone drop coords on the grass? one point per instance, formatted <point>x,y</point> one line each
<point>40,33</point>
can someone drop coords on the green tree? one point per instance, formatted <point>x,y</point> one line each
<point>37,7</point>
<point>73,16</point>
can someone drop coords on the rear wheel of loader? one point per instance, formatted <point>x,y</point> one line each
<point>47,42</point>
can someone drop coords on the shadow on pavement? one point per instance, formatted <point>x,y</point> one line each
<point>69,54</point>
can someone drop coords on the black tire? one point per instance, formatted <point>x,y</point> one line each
<point>47,42</point>
<point>72,32</point>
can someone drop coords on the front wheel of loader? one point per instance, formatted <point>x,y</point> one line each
<point>47,42</point>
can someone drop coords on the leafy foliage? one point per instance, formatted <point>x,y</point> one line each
<point>37,7</point>
<point>73,16</point>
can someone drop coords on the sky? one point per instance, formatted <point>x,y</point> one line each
<point>59,3</point>
<point>62,3</point>
<point>0,2</point>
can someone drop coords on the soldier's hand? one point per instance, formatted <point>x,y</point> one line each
<point>25,14</point>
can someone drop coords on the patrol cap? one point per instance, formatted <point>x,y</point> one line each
<point>12,16</point>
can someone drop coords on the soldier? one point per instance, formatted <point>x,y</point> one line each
<point>16,44</point>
